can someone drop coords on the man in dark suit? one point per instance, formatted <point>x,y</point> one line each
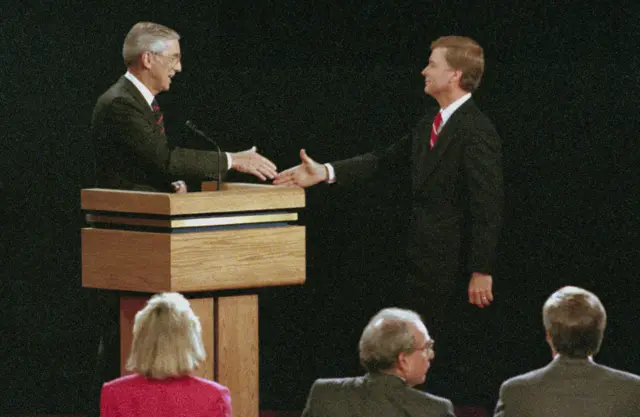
<point>572,385</point>
<point>132,150</point>
<point>455,158</point>
<point>396,351</point>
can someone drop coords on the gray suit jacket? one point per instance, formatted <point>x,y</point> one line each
<point>571,388</point>
<point>373,395</point>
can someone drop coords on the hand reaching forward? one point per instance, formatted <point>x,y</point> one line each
<point>251,162</point>
<point>308,173</point>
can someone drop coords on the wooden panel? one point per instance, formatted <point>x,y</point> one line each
<point>125,260</point>
<point>237,355</point>
<point>124,201</point>
<point>245,258</point>
<point>243,197</point>
<point>202,307</point>
<point>129,306</point>
<point>239,197</point>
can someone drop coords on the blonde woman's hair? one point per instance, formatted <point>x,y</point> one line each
<point>167,338</point>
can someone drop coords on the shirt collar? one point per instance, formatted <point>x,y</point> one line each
<point>448,111</point>
<point>141,87</point>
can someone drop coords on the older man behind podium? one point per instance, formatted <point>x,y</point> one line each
<point>396,351</point>
<point>572,385</point>
<point>133,151</point>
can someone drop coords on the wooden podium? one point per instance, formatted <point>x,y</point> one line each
<point>217,248</point>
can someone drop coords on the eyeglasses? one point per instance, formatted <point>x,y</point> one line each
<point>428,347</point>
<point>171,60</point>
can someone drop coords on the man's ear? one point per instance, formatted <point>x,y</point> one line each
<point>145,59</point>
<point>457,76</point>
<point>402,360</point>
<point>547,337</point>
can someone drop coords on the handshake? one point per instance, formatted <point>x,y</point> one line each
<point>308,173</point>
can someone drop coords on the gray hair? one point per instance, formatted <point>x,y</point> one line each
<point>167,338</point>
<point>388,334</point>
<point>146,36</point>
<point>575,320</point>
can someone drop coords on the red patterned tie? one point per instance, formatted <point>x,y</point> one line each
<point>158,114</point>
<point>435,127</point>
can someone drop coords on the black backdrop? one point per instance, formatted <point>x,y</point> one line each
<point>336,78</point>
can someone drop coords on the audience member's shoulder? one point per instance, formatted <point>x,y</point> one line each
<point>338,382</point>
<point>206,384</point>
<point>527,378</point>
<point>620,374</point>
<point>430,398</point>
<point>124,381</point>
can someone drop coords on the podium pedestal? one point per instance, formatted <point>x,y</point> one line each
<point>216,248</point>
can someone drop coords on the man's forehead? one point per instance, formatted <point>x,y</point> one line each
<point>438,52</point>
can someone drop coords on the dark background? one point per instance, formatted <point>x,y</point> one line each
<point>337,78</point>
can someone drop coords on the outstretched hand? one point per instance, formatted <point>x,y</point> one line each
<point>308,173</point>
<point>251,162</point>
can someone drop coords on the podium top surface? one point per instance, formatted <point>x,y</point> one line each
<point>234,197</point>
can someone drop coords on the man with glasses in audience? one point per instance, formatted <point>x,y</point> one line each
<point>396,351</point>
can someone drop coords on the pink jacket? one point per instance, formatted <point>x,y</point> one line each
<point>189,396</point>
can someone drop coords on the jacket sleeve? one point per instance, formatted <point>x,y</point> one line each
<point>482,161</point>
<point>127,124</point>
<point>501,410</point>
<point>363,167</point>
<point>107,402</point>
<point>311,407</point>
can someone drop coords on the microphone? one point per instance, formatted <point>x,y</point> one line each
<point>200,133</point>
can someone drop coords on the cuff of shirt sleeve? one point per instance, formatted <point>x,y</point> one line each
<point>331,173</point>
<point>228,160</point>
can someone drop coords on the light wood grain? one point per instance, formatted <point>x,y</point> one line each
<point>126,260</point>
<point>202,307</point>
<point>248,258</point>
<point>240,197</point>
<point>237,355</point>
<point>125,201</point>
<point>186,262</point>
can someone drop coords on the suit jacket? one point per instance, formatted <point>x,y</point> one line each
<point>457,192</point>
<point>571,388</point>
<point>373,395</point>
<point>131,151</point>
<point>138,396</point>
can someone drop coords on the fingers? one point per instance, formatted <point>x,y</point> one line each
<point>286,177</point>
<point>481,298</point>
<point>268,171</point>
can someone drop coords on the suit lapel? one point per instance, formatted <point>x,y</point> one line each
<point>131,90</point>
<point>430,159</point>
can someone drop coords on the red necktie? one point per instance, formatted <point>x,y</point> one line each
<point>158,114</point>
<point>435,127</point>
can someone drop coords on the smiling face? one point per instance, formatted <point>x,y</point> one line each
<point>439,78</point>
<point>162,66</point>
